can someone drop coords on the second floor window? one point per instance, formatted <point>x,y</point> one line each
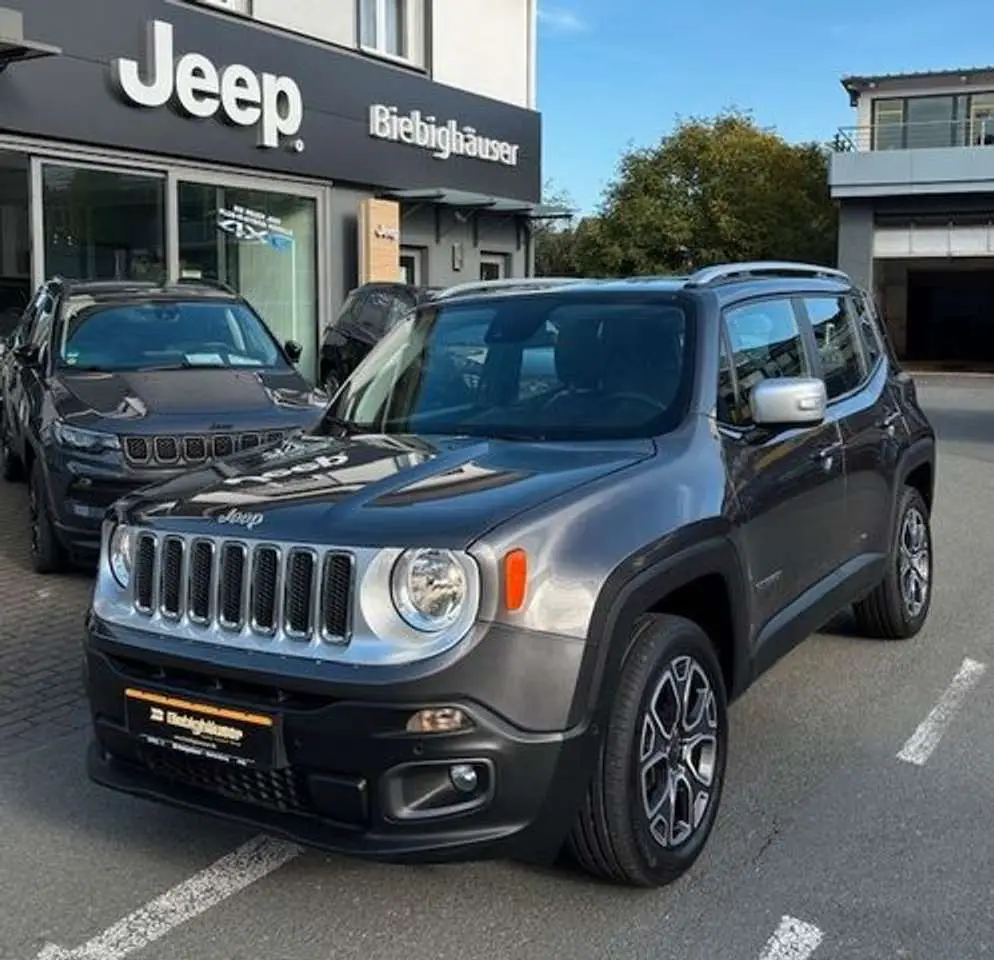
<point>382,26</point>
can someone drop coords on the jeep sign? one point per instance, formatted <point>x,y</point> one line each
<point>200,89</point>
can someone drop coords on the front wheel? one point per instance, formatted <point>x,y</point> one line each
<point>898,606</point>
<point>47,553</point>
<point>656,788</point>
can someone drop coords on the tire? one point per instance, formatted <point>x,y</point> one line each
<point>47,554</point>
<point>11,468</point>
<point>614,836</point>
<point>887,613</point>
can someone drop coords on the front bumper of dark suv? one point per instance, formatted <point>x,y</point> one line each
<point>348,776</point>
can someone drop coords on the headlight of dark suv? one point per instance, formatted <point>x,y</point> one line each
<point>120,554</point>
<point>86,441</point>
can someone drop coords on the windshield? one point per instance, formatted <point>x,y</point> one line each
<point>533,366</point>
<point>165,335</point>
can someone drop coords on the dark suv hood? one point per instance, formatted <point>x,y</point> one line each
<point>131,396</point>
<point>377,491</point>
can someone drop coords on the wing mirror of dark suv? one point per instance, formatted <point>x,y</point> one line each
<point>783,402</point>
<point>293,350</point>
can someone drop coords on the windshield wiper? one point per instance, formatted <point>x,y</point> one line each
<point>184,365</point>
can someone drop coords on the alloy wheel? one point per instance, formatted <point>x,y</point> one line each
<point>678,754</point>
<point>914,562</point>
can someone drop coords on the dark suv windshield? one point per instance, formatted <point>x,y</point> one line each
<point>529,366</point>
<point>165,334</point>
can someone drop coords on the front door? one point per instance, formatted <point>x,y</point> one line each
<point>787,487</point>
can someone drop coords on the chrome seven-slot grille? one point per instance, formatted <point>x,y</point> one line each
<point>166,450</point>
<point>300,593</point>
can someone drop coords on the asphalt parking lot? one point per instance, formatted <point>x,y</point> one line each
<point>854,821</point>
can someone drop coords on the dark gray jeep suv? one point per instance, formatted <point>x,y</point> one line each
<point>498,602</point>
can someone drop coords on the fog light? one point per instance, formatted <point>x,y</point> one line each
<point>463,777</point>
<point>439,720</point>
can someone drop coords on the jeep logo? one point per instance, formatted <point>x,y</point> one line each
<point>235,517</point>
<point>200,89</point>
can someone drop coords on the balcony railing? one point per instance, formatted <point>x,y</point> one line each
<point>922,135</point>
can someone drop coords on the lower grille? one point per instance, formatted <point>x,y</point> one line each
<point>283,790</point>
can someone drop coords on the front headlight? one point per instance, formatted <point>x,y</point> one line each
<point>90,441</point>
<point>429,589</point>
<point>120,553</point>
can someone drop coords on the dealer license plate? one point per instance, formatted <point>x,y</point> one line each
<point>204,730</point>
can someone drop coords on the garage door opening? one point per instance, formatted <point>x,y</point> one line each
<point>951,318</point>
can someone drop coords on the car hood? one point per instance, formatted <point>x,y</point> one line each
<point>135,396</point>
<point>376,490</point>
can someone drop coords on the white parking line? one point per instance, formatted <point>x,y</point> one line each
<point>926,738</point>
<point>792,940</point>
<point>227,876</point>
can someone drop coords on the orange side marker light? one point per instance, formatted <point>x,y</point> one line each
<point>515,579</point>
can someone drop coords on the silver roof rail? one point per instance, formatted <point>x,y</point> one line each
<point>758,268</point>
<point>507,283</point>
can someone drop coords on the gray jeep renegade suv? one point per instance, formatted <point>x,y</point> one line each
<point>498,602</point>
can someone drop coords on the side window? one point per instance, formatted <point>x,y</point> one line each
<point>765,343</point>
<point>838,341</point>
<point>870,333</point>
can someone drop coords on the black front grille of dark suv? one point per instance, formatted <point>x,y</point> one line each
<point>170,451</point>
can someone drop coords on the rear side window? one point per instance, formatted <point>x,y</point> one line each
<point>838,340</point>
<point>765,342</point>
<point>870,333</point>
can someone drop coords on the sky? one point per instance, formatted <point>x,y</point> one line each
<point>613,74</point>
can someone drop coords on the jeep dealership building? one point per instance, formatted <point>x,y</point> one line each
<point>291,151</point>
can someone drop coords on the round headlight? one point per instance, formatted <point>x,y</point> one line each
<point>429,589</point>
<point>121,554</point>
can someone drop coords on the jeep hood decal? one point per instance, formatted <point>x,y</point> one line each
<point>348,491</point>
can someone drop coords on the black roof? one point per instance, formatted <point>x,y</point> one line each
<point>726,281</point>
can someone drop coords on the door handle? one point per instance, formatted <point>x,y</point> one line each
<point>890,419</point>
<point>826,453</point>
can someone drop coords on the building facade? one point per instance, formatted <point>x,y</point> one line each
<point>914,180</point>
<point>291,149</point>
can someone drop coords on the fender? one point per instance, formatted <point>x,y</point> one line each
<point>922,451</point>
<point>700,550</point>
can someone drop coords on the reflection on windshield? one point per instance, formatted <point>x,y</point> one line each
<point>166,335</point>
<point>542,366</point>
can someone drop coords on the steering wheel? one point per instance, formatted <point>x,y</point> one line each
<point>641,398</point>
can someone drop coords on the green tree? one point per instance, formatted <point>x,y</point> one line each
<point>719,189</point>
<point>555,239</point>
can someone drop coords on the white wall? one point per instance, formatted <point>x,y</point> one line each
<point>334,22</point>
<point>486,47</point>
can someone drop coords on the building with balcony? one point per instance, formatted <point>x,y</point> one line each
<point>291,149</point>
<point>914,181</point>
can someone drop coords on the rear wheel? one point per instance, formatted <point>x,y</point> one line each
<point>47,553</point>
<point>656,788</point>
<point>898,606</point>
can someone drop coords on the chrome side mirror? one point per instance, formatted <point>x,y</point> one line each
<point>789,402</point>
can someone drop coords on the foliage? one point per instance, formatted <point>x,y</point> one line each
<point>715,190</point>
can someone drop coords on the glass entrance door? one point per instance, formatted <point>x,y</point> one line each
<point>264,245</point>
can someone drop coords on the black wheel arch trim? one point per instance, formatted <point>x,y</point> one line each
<point>920,453</point>
<point>633,588</point>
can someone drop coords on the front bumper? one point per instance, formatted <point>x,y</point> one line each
<point>352,780</point>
